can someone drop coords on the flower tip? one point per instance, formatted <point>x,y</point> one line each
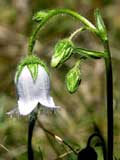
<point>26,108</point>
<point>54,63</point>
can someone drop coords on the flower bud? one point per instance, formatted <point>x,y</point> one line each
<point>87,153</point>
<point>33,85</point>
<point>100,25</point>
<point>73,78</point>
<point>63,51</point>
<point>39,16</point>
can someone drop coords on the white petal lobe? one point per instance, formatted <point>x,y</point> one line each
<point>26,107</point>
<point>31,92</point>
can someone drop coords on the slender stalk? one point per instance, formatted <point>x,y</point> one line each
<point>102,141</point>
<point>57,137</point>
<point>52,13</point>
<point>76,32</point>
<point>32,120</point>
<point>109,88</point>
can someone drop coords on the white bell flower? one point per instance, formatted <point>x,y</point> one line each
<point>33,86</point>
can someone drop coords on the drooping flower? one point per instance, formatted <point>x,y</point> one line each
<point>33,85</point>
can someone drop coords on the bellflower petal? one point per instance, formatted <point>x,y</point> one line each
<point>25,107</point>
<point>31,92</point>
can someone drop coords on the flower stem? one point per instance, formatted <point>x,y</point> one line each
<point>102,143</point>
<point>32,120</point>
<point>76,32</point>
<point>109,85</point>
<point>52,13</point>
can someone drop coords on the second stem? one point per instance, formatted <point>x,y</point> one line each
<point>109,88</point>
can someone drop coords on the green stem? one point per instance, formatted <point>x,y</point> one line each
<point>52,13</point>
<point>32,120</point>
<point>85,53</point>
<point>109,85</point>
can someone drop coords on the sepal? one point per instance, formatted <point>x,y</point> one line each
<point>32,63</point>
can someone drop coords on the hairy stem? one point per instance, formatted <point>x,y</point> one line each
<point>32,120</point>
<point>109,88</point>
<point>52,13</point>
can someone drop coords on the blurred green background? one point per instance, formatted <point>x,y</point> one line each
<point>81,113</point>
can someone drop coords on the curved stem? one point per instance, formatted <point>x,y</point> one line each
<point>76,32</point>
<point>32,120</point>
<point>52,13</point>
<point>101,139</point>
<point>109,88</point>
<point>85,53</point>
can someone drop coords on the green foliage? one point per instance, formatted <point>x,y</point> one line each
<point>71,156</point>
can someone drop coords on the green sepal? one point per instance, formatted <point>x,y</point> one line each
<point>62,52</point>
<point>33,68</point>
<point>100,25</point>
<point>73,78</point>
<point>32,62</point>
<point>39,16</point>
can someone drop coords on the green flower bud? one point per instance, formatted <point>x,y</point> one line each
<point>63,50</point>
<point>100,25</point>
<point>73,78</point>
<point>39,16</point>
<point>32,63</point>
